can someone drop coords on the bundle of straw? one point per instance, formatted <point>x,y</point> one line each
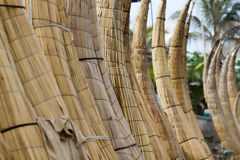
<point>24,142</point>
<point>34,71</point>
<point>191,146</point>
<point>177,74</point>
<point>232,80</point>
<point>223,128</point>
<point>111,28</point>
<point>87,42</point>
<point>4,151</point>
<point>53,40</point>
<point>207,61</point>
<point>159,149</point>
<point>224,97</point>
<point>218,68</point>
<point>139,60</point>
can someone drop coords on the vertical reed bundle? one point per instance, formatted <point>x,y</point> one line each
<point>175,57</point>
<point>184,48</point>
<point>232,80</point>
<point>53,41</point>
<point>158,145</point>
<point>24,142</point>
<point>154,135</point>
<point>177,74</point>
<point>191,146</point>
<point>35,74</point>
<point>216,47</point>
<point>4,151</point>
<point>218,68</point>
<point>159,149</point>
<point>221,124</point>
<point>89,52</point>
<point>184,54</point>
<point>111,27</point>
<point>141,69</point>
<point>224,97</point>
<point>236,109</point>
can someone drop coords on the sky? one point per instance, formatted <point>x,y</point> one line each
<point>172,6</point>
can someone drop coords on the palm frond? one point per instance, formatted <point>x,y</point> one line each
<point>175,15</point>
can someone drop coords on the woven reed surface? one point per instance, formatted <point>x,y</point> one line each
<point>232,81</point>
<point>220,122</point>
<point>184,48</point>
<point>218,68</point>
<point>34,71</point>
<point>175,57</point>
<point>177,74</point>
<point>216,46</point>
<point>235,112</point>
<point>53,41</point>
<point>184,54</point>
<point>141,69</point>
<point>4,150</point>
<point>191,146</point>
<point>158,144</point>
<point>159,149</point>
<point>88,46</point>
<point>111,28</point>
<point>224,97</point>
<point>23,142</point>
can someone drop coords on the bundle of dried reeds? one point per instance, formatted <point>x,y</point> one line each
<point>34,71</point>
<point>232,80</point>
<point>178,77</point>
<point>111,27</point>
<point>218,68</point>
<point>57,46</point>
<point>18,119</point>
<point>184,48</point>
<point>224,97</point>
<point>236,110</point>
<point>221,125</point>
<point>207,61</point>
<point>192,147</point>
<point>4,151</point>
<point>87,42</point>
<point>155,138</point>
<point>139,60</point>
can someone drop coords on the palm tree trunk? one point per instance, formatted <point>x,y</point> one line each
<point>111,28</point>
<point>177,74</point>
<point>141,69</point>
<point>185,133</point>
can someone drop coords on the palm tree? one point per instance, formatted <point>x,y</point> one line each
<point>220,17</point>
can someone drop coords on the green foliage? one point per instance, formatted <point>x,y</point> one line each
<point>195,65</point>
<point>152,75</point>
<point>238,71</point>
<point>219,17</point>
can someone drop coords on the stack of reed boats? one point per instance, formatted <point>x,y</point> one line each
<point>72,87</point>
